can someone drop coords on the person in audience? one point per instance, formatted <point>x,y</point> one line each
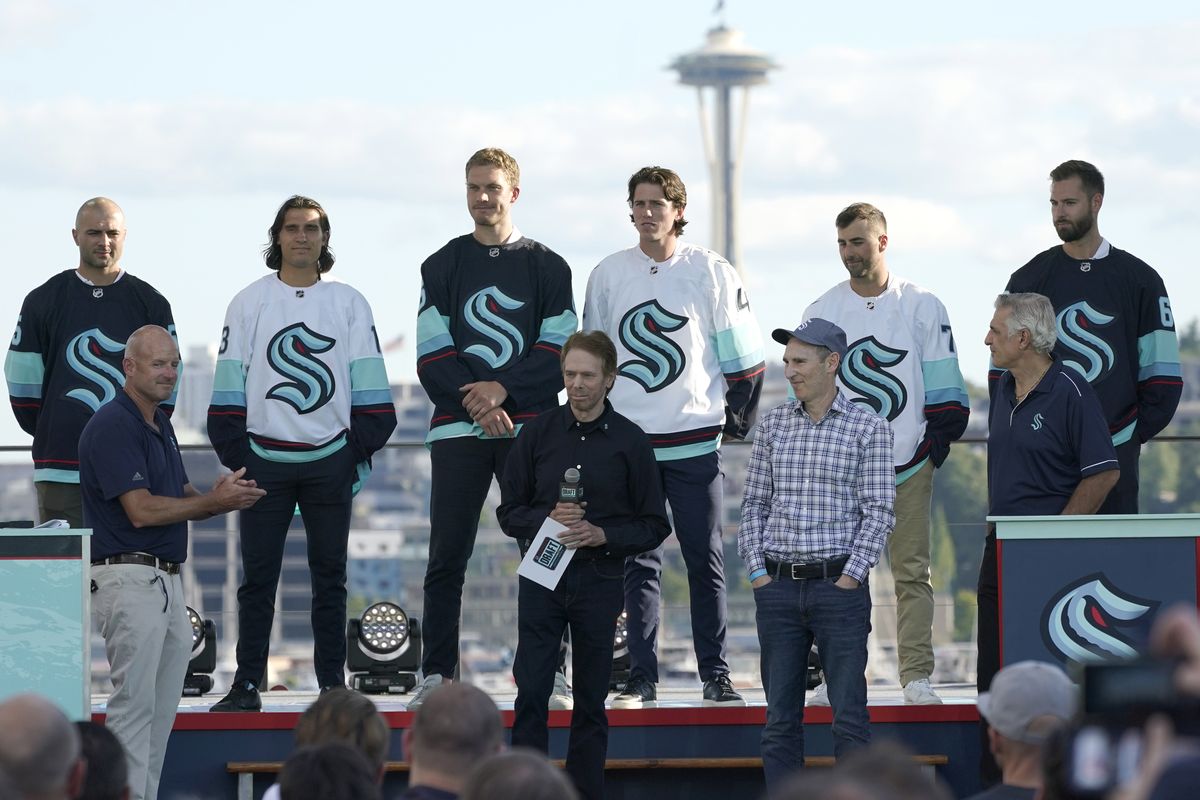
<point>39,750</point>
<point>518,774</point>
<point>330,771</point>
<point>456,728</point>
<point>107,771</point>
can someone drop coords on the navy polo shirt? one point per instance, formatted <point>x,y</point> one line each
<point>119,452</point>
<point>1040,450</point>
<point>618,473</point>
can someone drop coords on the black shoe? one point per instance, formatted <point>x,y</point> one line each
<point>718,691</point>
<point>333,686</point>
<point>638,693</point>
<point>243,696</point>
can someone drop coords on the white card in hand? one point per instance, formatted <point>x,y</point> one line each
<point>547,558</point>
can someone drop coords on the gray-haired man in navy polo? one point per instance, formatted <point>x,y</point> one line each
<point>817,511</point>
<point>137,501</point>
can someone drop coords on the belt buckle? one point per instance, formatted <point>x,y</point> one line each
<point>796,577</point>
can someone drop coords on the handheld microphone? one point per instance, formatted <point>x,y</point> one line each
<point>570,490</point>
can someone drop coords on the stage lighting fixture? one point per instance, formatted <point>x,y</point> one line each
<point>620,667</point>
<point>204,656</point>
<point>383,650</point>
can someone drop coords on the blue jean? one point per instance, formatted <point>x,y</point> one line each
<point>693,487</point>
<point>587,602</point>
<point>791,615</point>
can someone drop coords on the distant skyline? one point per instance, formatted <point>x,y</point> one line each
<point>200,121</point>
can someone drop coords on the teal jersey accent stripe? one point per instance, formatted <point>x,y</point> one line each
<point>433,332</point>
<point>939,396</point>
<point>24,373</point>
<point>56,475</point>
<point>301,457</point>
<point>739,348</point>
<point>1158,354</point>
<point>362,471</point>
<point>555,330</point>
<point>368,374</point>
<point>901,477</point>
<point>459,430</point>
<point>687,450</point>
<point>370,397</point>
<point>943,376</point>
<point>230,376</point>
<point>1125,434</point>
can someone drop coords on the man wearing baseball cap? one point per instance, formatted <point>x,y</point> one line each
<point>1027,702</point>
<point>817,511</point>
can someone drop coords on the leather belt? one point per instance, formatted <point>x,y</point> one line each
<point>803,571</point>
<point>144,559</point>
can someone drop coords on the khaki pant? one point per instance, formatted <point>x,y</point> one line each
<point>908,555</point>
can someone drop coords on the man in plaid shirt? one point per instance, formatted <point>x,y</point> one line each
<point>817,511</point>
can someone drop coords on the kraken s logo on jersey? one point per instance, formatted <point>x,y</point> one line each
<point>1081,622</point>
<point>482,313</point>
<point>864,372</point>
<point>291,353</point>
<point>1094,358</point>
<point>643,332</point>
<point>85,355</point>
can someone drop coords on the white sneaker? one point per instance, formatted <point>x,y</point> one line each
<point>560,695</point>
<point>819,696</point>
<point>920,693</point>
<point>421,692</point>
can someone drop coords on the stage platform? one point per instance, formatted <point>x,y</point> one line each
<point>678,727</point>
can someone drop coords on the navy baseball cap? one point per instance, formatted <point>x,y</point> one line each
<point>816,331</point>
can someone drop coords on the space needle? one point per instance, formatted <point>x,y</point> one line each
<point>723,65</point>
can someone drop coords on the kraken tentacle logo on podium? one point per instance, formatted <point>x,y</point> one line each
<point>1083,622</point>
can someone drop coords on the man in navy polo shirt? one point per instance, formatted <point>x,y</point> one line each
<point>1049,450</point>
<point>137,500</point>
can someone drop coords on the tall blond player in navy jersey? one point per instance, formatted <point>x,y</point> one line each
<point>496,308</point>
<point>690,367</point>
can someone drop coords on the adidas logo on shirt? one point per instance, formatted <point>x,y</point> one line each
<point>137,476</point>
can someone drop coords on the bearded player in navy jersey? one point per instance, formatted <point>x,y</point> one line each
<point>1114,322</point>
<point>496,308</point>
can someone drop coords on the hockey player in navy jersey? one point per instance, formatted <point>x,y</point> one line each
<point>301,400</point>
<point>901,364</point>
<point>1114,322</point>
<point>64,361</point>
<point>496,308</point>
<point>690,371</point>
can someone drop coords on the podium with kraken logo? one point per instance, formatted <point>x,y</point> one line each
<point>1086,588</point>
<point>45,616</point>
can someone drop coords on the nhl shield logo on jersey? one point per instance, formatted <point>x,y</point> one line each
<point>1081,330</point>
<point>482,312</point>
<point>291,353</point>
<point>864,372</point>
<point>643,332</point>
<point>86,357</point>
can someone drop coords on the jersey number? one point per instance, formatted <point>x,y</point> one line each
<point>224,340</point>
<point>1164,312</point>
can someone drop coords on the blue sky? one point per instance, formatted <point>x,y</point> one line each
<point>200,119</point>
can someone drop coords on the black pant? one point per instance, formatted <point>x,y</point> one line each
<point>588,600</point>
<point>1123,499</point>
<point>322,489</point>
<point>988,642</point>
<point>462,472</point>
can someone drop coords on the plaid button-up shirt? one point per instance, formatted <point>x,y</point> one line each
<point>819,490</point>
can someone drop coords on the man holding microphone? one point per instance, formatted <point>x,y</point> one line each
<point>583,446</point>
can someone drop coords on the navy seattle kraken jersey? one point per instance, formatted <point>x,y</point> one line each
<point>1116,328</point>
<point>492,313</point>
<point>64,362</point>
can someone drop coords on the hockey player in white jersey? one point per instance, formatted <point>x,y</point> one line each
<point>690,371</point>
<point>901,364</point>
<point>301,400</point>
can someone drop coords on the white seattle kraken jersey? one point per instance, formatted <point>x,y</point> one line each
<point>680,327</point>
<point>900,358</point>
<point>293,354</point>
